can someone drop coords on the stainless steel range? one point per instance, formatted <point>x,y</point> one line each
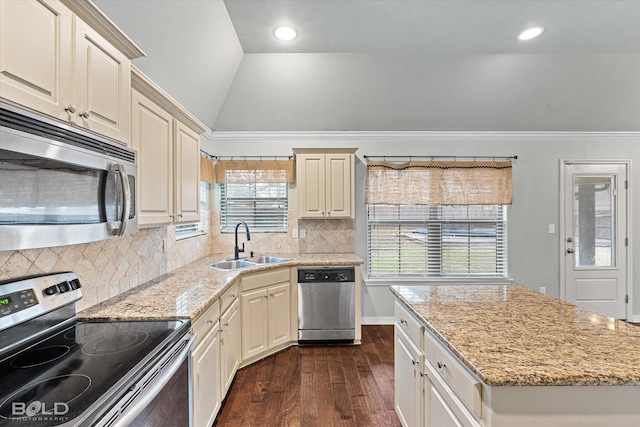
<point>59,371</point>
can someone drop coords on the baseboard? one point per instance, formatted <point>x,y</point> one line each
<point>377,320</point>
<point>635,318</point>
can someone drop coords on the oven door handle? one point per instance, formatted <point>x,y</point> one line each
<point>149,393</point>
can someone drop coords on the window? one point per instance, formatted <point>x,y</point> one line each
<point>262,205</point>
<point>437,241</point>
<point>201,227</point>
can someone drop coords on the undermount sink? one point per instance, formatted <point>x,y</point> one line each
<point>235,264</point>
<point>267,259</point>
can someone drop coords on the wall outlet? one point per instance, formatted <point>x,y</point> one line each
<point>165,245</point>
<point>294,233</point>
<point>552,228</point>
<point>543,289</point>
<point>303,233</point>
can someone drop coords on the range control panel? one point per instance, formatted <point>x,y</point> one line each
<point>326,274</point>
<point>30,297</point>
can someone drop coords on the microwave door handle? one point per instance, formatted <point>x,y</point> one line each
<point>126,194</point>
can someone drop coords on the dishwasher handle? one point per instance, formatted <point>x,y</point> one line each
<point>148,394</point>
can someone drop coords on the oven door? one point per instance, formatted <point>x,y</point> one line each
<point>162,396</point>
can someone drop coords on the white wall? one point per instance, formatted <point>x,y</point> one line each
<point>407,92</point>
<point>192,50</point>
<point>534,254</point>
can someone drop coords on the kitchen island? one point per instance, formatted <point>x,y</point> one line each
<point>505,355</point>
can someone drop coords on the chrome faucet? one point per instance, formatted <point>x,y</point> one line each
<point>237,250</point>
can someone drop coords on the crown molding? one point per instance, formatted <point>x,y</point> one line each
<point>229,136</point>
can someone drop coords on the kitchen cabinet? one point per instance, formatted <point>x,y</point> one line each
<point>325,183</point>
<point>168,144</point>
<point>266,313</point>
<point>205,359</point>
<point>408,362</point>
<point>229,341</point>
<point>73,68</point>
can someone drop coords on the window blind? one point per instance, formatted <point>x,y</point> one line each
<point>437,241</point>
<point>263,206</point>
<point>200,227</point>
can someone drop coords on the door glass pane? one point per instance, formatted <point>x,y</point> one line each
<point>594,229</point>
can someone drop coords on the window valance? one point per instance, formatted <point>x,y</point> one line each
<point>439,183</point>
<point>251,171</point>
<point>206,169</point>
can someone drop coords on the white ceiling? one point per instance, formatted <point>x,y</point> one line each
<point>393,64</point>
<point>438,26</point>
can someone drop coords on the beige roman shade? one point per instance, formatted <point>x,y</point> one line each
<point>438,183</point>
<point>250,171</point>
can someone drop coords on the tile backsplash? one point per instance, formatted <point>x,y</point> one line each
<point>110,267</point>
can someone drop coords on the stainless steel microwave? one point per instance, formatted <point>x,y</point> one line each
<point>60,185</point>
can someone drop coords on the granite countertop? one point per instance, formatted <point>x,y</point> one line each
<point>510,335</point>
<point>187,292</point>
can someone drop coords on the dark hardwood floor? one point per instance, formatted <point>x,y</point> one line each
<point>317,386</point>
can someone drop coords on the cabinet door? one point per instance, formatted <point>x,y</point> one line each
<point>408,387</point>
<point>102,85</point>
<point>206,384</point>
<point>187,174</point>
<point>230,346</point>
<point>338,185</point>
<point>279,314</point>
<point>437,413</point>
<point>254,323</point>
<point>152,137</point>
<point>35,55</point>
<point>311,185</point>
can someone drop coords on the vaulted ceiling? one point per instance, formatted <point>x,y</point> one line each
<point>393,64</point>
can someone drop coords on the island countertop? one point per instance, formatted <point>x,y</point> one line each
<point>510,335</point>
<point>187,292</point>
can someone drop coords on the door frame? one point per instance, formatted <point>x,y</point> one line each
<point>629,226</point>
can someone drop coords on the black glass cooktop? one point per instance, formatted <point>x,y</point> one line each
<point>59,378</point>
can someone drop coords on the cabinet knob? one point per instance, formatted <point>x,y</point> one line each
<point>85,114</point>
<point>70,109</point>
<point>441,365</point>
<point>210,321</point>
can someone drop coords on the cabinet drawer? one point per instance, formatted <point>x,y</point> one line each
<point>409,324</point>
<point>443,405</point>
<point>203,324</point>
<point>228,297</point>
<point>466,386</point>
<point>266,278</point>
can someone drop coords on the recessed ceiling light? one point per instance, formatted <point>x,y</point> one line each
<point>530,33</point>
<point>285,33</point>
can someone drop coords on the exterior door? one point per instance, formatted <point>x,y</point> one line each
<point>594,239</point>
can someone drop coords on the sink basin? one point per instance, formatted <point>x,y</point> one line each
<point>233,264</point>
<point>267,259</point>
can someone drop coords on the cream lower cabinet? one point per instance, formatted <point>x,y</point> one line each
<point>205,359</point>
<point>229,346</point>
<point>266,313</point>
<point>55,63</point>
<point>168,156</point>
<point>408,360</point>
<point>325,185</point>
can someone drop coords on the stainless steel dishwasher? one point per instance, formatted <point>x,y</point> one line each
<point>326,304</point>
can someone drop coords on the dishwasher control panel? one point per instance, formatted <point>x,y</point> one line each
<point>326,274</point>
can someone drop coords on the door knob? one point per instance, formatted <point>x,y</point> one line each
<point>570,251</point>
<point>569,239</point>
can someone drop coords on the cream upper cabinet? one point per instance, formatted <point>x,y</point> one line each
<point>325,183</point>
<point>152,137</point>
<point>102,85</point>
<point>167,139</point>
<point>187,164</point>
<point>55,63</point>
<point>35,55</point>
